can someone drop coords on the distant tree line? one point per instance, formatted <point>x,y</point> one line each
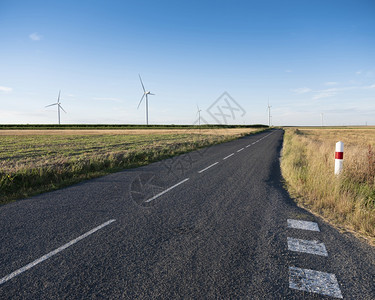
<point>121,126</point>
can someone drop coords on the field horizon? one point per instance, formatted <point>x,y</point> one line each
<point>126,126</point>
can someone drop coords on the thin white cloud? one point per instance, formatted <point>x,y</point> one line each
<point>301,90</point>
<point>5,89</point>
<point>288,71</point>
<point>329,83</point>
<point>35,36</point>
<point>331,92</point>
<point>324,94</point>
<point>334,91</point>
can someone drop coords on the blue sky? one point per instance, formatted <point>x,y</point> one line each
<point>308,57</point>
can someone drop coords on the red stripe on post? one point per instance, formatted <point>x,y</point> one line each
<point>339,155</point>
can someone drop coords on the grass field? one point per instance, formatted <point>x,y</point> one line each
<point>35,161</point>
<point>347,200</point>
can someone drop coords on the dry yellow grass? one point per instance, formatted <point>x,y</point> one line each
<point>348,200</point>
<point>25,149</point>
<point>33,161</point>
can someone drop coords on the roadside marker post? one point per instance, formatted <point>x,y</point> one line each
<point>339,157</point>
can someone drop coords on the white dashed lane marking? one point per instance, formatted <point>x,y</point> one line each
<point>311,247</point>
<point>210,166</point>
<point>52,253</point>
<point>167,190</point>
<point>305,279</point>
<point>304,225</point>
<point>314,281</point>
<point>240,150</point>
<point>228,156</point>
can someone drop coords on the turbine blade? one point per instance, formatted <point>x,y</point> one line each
<point>58,99</point>
<point>151,94</point>
<point>51,104</point>
<point>142,83</point>
<point>62,108</point>
<point>141,100</point>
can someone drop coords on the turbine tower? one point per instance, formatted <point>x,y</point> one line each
<point>58,103</point>
<point>199,115</point>
<point>269,113</point>
<point>145,94</point>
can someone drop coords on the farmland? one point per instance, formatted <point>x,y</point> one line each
<point>347,200</point>
<point>38,160</point>
<point>35,161</point>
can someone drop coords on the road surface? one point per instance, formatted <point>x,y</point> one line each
<point>210,224</point>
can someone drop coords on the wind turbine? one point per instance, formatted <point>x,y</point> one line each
<point>199,113</point>
<point>143,96</point>
<point>58,106</point>
<point>269,113</point>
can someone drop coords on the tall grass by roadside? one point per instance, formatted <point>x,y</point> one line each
<point>347,200</point>
<point>31,164</point>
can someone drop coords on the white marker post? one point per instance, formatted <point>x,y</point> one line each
<point>339,157</point>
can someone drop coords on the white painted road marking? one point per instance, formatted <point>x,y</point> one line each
<point>314,281</point>
<point>228,156</point>
<point>52,253</point>
<point>167,190</point>
<point>248,146</point>
<point>240,150</point>
<point>311,247</point>
<point>208,167</point>
<point>305,225</point>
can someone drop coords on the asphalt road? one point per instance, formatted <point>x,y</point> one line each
<point>211,224</point>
